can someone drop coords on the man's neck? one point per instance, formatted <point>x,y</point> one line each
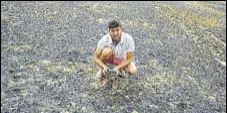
<point>116,41</point>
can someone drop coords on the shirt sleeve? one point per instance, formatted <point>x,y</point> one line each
<point>104,42</point>
<point>131,45</point>
<point>100,44</point>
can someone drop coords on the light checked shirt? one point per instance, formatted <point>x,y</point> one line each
<point>125,45</point>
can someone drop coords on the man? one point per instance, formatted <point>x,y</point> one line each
<point>117,48</point>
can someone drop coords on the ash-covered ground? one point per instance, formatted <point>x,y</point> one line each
<point>47,57</point>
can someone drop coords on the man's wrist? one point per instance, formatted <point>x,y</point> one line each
<point>118,67</point>
<point>104,66</point>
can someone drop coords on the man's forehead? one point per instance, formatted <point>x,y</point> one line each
<point>116,28</point>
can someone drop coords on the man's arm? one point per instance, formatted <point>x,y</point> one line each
<point>97,60</point>
<point>126,62</point>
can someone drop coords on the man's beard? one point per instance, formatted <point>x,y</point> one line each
<point>117,39</point>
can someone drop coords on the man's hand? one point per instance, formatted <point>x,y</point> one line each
<point>105,69</point>
<point>116,69</point>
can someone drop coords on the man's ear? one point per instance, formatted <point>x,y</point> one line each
<point>122,29</point>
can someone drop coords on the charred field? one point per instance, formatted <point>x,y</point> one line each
<point>47,57</point>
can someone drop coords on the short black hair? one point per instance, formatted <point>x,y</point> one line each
<point>114,24</point>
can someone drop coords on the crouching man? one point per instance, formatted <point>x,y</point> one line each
<point>117,48</point>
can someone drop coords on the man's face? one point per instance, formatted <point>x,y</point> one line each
<point>115,33</point>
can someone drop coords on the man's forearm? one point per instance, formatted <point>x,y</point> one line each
<point>99,62</point>
<point>124,63</point>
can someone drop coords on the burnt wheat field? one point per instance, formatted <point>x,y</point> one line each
<point>47,57</point>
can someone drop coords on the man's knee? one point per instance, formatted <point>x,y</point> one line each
<point>107,51</point>
<point>133,71</point>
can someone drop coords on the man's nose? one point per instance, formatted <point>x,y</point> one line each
<point>115,33</point>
